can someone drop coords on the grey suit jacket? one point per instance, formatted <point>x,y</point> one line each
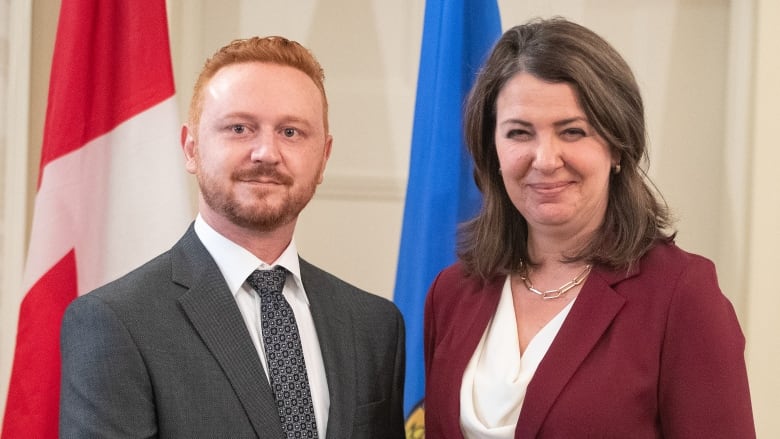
<point>164,352</point>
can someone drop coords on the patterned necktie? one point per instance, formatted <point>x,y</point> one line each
<point>284,355</point>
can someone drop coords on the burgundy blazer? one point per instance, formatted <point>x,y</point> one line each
<point>656,352</point>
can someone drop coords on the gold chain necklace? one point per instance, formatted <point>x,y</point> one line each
<point>560,291</point>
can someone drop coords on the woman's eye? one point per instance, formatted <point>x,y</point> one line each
<point>518,134</point>
<point>573,133</point>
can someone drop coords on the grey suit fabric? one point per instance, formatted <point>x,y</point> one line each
<point>164,352</point>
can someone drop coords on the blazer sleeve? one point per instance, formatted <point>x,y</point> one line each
<point>429,347</point>
<point>105,390</point>
<point>429,329</point>
<point>399,374</point>
<point>703,386</point>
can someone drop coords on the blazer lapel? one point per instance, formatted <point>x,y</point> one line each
<point>337,346</point>
<point>478,303</point>
<point>216,317</point>
<point>595,308</point>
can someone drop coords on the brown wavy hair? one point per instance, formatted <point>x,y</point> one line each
<point>273,49</point>
<point>559,51</point>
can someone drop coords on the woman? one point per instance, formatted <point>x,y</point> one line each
<point>571,312</point>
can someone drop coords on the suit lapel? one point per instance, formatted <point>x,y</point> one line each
<point>595,308</point>
<point>213,312</point>
<point>338,349</point>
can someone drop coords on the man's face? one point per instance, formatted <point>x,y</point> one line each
<point>260,148</point>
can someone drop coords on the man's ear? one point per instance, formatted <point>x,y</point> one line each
<point>325,157</point>
<point>188,146</point>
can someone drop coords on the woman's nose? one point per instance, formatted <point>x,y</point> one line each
<point>548,154</point>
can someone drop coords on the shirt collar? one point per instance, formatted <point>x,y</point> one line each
<point>237,263</point>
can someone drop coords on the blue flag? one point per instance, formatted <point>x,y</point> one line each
<point>440,193</point>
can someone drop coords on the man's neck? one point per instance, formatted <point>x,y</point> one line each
<point>266,245</point>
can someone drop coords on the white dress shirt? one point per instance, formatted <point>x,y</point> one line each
<point>497,376</point>
<point>236,264</point>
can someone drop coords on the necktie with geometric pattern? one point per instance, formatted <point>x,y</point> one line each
<point>284,355</point>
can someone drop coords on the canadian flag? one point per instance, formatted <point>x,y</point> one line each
<point>112,192</point>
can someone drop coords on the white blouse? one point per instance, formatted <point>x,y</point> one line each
<point>496,378</point>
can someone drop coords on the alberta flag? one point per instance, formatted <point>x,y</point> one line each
<point>112,192</point>
<point>440,193</point>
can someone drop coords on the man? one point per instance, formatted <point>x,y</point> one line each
<point>184,345</point>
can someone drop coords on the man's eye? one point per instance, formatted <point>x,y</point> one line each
<point>238,129</point>
<point>289,132</point>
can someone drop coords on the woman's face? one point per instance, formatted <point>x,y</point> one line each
<point>554,165</point>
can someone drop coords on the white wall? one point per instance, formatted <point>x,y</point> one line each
<point>15,23</point>
<point>763,289</point>
<point>708,71</point>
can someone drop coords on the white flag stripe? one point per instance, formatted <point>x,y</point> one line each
<point>117,227</point>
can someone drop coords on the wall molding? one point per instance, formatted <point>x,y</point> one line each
<point>361,188</point>
<point>737,152</point>
<point>14,224</point>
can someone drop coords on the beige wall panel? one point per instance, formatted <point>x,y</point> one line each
<point>764,290</point>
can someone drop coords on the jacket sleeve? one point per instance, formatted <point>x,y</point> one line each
<point>703,386</point>
<point>105,389</point>
<point>429,331</point>
<point>431,411</point>
<point>399,374</point>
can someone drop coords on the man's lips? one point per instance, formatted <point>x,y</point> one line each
<point>263,178</point>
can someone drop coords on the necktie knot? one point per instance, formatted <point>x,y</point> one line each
<point>268,281</point>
